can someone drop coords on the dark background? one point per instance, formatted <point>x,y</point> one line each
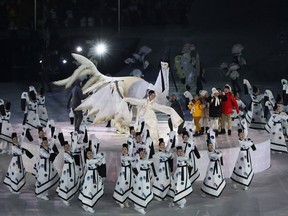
<point>213,26</point>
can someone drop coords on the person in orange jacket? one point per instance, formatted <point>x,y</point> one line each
<point>195,105</point>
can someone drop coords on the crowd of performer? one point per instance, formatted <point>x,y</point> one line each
<point>144,174</point>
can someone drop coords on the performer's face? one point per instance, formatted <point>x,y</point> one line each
<point>180,152</point>
<point>241,136</point>
<point>138,138</point>
<point>45,144</point>
<point>124,150</point>
<point>15,140</point>
<point>132,132</point>
<point>210,147</point>
<point>185,138</point>
<point>66,147</point>
<point>162,145</point>
<point>89,154</point>
<point>142,154</point>
<point>164,65</point>
<point>41,134</point>
<point>278,108</point>
<point>152,96</point>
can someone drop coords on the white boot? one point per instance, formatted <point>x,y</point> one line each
<point>126,204</point>
<point>41,196</point>
<point>66,203</point>
<point>140,210</point>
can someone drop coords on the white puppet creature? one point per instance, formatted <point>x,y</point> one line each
<point>108,91</point>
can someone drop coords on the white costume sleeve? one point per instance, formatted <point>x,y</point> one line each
<point>44,153</point>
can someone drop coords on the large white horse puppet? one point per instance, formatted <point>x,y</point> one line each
<point>109,91</point>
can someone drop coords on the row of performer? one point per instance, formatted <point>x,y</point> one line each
<point>141,177</point>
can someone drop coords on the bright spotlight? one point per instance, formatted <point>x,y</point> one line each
<point>79,49</point>
<point>100,49</point>
<point>64,61</point>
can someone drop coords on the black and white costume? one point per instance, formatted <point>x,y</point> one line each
<point>77,151</point>
<point>42,111</point>
<point>191,151</point>
<point>214,182</point>
<point>131,145</point>
<point>47,175</point>
<point>243,170</point>
<point>162,182</point>
<point>29,105</point>
<point>234,116</point>
<point>69,180</point>
<point>278,142</point>
<point>141,194</point>
<point>6,129</point>
<point>125,179</point>
<point>93,188</point>
<point>181,186</point>
<point>15,177</point>
<point>255,117</point>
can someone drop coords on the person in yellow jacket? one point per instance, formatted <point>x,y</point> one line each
<point>196,107</point>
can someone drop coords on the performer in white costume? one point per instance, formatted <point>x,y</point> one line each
<point>69,180</point>
<point>162,82</point>
<point>6,129</point>
<point>125,179</point>
<point>42,111</point>
<point>162,182</point>
<point>214,182</point>
<point>243,170</point>
<point>191,151</point>
<point>138,143</point>
<point>255,117</point>
<point>15,177</point>
<point>181,186</point>
<point>47,175</point>
<point>50,132</point>
<point>131,140</point>
<point>77,150</point>
<point>141,194</point>
<point>278,142</point>
<point>147,111</point>
<point>29,105</point>
<point>93,187</point>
